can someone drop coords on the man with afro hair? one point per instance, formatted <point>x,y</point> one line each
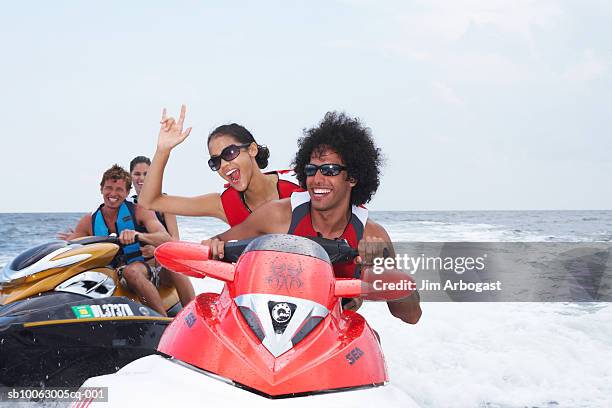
<point>338,164</point>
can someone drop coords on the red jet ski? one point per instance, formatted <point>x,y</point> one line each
<point>276,330</point>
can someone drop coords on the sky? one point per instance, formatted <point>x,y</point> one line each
<point>476,105</point>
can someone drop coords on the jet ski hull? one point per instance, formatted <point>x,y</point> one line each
<point>177,384</point>
<point>276,335</point>
<point>63,339</point>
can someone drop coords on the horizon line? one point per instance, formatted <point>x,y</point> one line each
<point>371,210</point>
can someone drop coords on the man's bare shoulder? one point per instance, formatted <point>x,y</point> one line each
<point>374,229</point>
<point>83,228</point>
<point>86,219</point>
<point>87,216</point>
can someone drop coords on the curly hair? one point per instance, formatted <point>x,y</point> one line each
<point>352,141</point>
<point>117,173</point>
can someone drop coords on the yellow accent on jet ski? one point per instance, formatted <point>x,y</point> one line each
<point>102,252</point>
<point>101,255</point>
<point>96,319</point>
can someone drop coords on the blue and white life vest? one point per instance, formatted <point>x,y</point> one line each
<point>126,220</point>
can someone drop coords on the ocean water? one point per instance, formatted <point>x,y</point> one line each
<point>459,354</point>
<point>23,230</point>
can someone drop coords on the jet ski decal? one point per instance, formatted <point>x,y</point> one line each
<point>190,320</point>
<point>82,312</point>
<point>354,355</point>
<point>285,275</point>
<point>106,310</point>
<point>281,313</point>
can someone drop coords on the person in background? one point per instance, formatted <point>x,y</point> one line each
<point>128,221</point>
<point>139,167</point>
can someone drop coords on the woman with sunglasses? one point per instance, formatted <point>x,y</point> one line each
<point>235,156</point>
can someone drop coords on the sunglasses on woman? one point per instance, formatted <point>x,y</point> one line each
<point>328,169</point>
<point>228,154</point>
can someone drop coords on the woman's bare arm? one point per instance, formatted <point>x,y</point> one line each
<point>172,226</point>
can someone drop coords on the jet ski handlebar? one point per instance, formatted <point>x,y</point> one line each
<point>339,251</point>
<point>110,239</point>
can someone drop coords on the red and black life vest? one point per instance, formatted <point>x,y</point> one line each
<point>235,207</point>
<point>301,224</point>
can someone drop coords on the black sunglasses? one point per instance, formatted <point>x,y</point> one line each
<point>228,154</point>
<point>328,169</point>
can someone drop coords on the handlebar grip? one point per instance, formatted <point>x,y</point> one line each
<point>233,249</point>
<point>110,239</point>
<point>339,251</point>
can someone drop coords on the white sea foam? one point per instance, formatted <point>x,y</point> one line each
<point>503,354</point>
<point>4,259</point>
<point>427,231</point>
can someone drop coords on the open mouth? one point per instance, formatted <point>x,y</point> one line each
<point>320,193</point>
<point>234,175</point>
<point>113,200</point>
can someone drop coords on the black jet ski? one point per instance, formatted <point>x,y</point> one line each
<point>66,316</point>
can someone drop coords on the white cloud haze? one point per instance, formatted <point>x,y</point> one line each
<point>476,104</point>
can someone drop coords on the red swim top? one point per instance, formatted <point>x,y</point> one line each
<point>301,224</point>
<point>235,207</point>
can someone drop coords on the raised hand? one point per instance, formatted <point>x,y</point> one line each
<point>171,132</point>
